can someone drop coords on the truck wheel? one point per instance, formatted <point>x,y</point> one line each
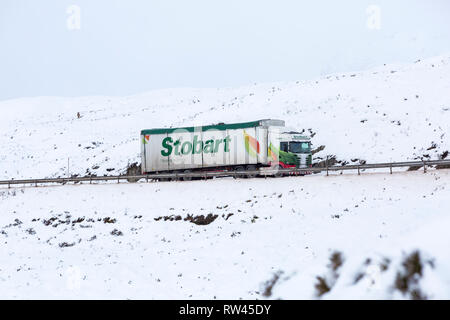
<point>239,168</point>
<point>251,168</point>
<point>279,174</point>
<point>187,178</point>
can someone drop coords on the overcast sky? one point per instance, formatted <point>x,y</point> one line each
<point>121,47</point>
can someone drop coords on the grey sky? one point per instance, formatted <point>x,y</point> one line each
<point>130,46</point>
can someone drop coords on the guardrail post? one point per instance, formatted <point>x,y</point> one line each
<point>358,171</point>
<point>424,167</point>
<point>327,165</point>
<point>390,167</point>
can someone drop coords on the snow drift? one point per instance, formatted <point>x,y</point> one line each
<point>230,239</point>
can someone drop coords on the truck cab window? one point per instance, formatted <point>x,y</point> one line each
<point>284,146</point>
<point>299,147</point>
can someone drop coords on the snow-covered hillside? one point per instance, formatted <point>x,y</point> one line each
<point>396,112</point>
<point>259,238</point>
<point>375,235</point>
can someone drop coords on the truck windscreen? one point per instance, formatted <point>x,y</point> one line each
<point>299,147</point>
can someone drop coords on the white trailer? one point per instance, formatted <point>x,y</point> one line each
<point>236,146</point>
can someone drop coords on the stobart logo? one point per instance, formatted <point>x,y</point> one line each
<point>196,146</point>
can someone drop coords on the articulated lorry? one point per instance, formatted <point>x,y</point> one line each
<point>248,146</point>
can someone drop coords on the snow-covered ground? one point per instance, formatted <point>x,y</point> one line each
<point>106,241</point>
<point>346,236</point>
<point>394,112</point>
